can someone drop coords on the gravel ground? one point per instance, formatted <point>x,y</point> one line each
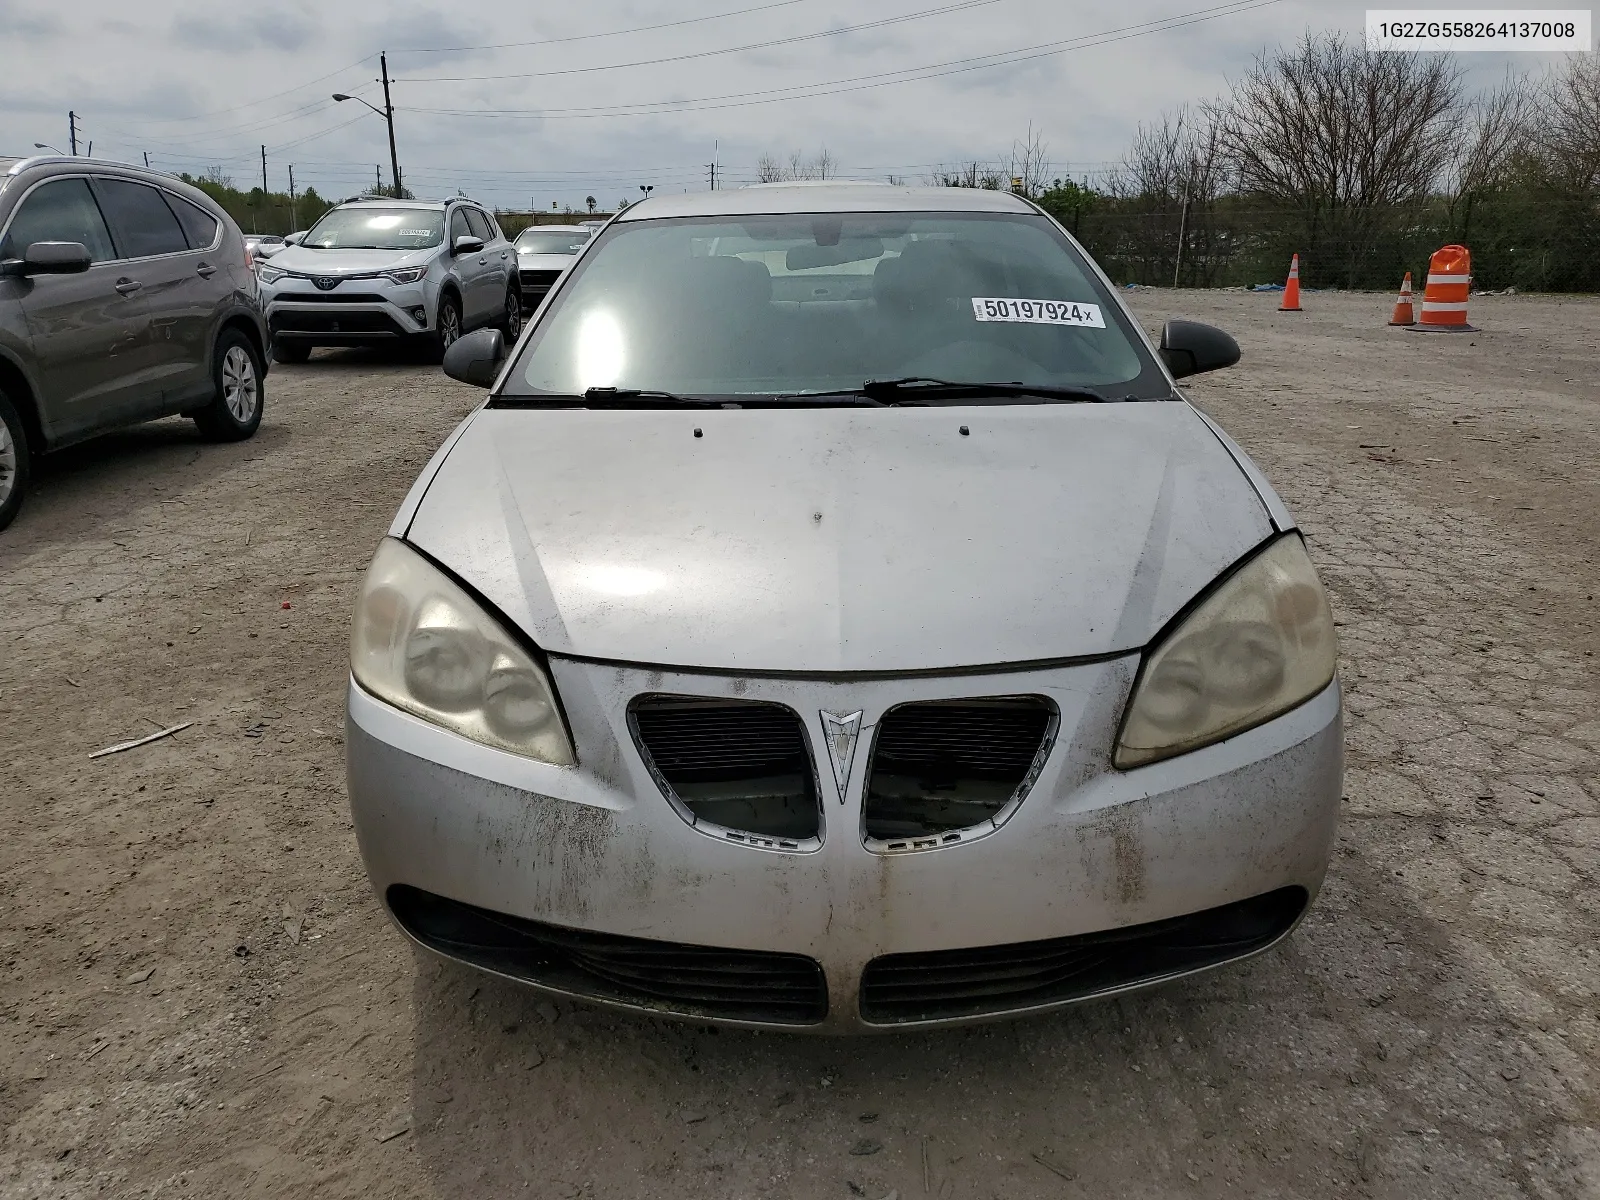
<point>198,995</point>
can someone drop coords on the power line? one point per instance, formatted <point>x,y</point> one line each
<point>878,79</point>
<point>961,6</point>
<point>585,37</point>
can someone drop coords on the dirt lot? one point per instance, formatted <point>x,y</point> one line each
<point>199,997</point>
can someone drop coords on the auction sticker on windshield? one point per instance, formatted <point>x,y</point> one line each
<point>1038,312</point>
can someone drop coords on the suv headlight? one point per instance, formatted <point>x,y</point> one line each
<point>423,645</point>
<point>267,273</point>
<point>1260,644</point>
<point>407,274</point>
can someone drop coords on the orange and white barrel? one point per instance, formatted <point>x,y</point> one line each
<point>1444,299</point>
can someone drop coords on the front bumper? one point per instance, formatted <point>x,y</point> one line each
<point>597,849</point>
<point>358,311</point>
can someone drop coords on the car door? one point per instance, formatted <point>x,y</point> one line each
<point>469,270</point>
<point>177,287</point>
<point>89,332</point>
<point>495,261</point>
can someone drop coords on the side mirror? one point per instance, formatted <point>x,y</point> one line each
<point>292,239</point>
<point>1189,348</point>
<point>49,258</point>
<point>467,244</point>
<point>476,357</point>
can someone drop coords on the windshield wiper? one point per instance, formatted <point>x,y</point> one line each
<point>915,388</point>
<point>598,397</point>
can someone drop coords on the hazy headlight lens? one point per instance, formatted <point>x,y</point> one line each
<point>1261,644</point>
<point>268,274</point>
<point>422,644</point>
<point>407,274</point>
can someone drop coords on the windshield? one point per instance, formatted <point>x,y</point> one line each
<point>789,304</point>
<point>370,228</point>
<point>552,241</point>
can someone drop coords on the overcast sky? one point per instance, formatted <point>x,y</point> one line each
<point>590,108</point>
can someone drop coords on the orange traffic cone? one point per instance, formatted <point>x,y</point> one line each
<point>1291,290</point>
<point>1403,313</point>
<point>1444,299</point>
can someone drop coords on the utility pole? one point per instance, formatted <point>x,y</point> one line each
<point>716,153</point>
<point>147,159</point>
<point>294,216</point>
<point>263,174</point>
<point>377,170</point>
<point>388,114</point>
<point>72,132</point>
<point>1183,219</point>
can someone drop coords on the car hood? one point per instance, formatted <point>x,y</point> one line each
<point>841,539</point>
<point>304,261</point>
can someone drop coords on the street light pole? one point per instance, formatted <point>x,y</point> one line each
<point>387,113</point>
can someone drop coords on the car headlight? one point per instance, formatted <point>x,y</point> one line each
<point>267,273</point>
<point>407,274</point>
<point>423,645</point>
<point>1260,644</point>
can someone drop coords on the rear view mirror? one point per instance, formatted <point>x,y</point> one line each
<point>1189,348</point>
<point>467,244</point>
<point>49,258</point>
<point>800,258</point>
<point>476,357</point>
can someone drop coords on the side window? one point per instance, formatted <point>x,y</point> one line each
<point>199,226</point>
<point>458,225</point>
<point>144,223</point>
<point>480,225</point>
<point>62,210</point>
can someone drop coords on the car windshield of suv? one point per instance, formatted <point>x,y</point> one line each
<point>361,227</point>
<point>780,305</point>
<point>552,241</point>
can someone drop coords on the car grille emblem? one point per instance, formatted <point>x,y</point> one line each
<point>325,284</point>
<point>840,733</point>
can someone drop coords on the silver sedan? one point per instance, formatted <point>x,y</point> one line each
<point>836,619</point>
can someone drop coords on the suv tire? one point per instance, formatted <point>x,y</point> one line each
<point>290,352</point>
<point>237,371</point>
<point>511,323</point>
<point>13,461</point>
<point>447,322</point>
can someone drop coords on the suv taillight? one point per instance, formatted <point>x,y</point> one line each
<point>249,259</point>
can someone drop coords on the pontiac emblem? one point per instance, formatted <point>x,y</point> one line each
<point>840,733</point>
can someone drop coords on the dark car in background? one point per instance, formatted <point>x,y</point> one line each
<point>125,295</point>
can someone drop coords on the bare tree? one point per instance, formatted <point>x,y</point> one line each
<point>971,174</point>
<point>822,166</point>
<point>768,170</point>
<point>1341,135</point>
<point>1492,134</point>
<point>1030,162</point>
<point>1168,186</point>
<point>1566,133</point>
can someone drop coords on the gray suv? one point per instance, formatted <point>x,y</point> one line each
<point>125,295</point>
<point>398,271</point>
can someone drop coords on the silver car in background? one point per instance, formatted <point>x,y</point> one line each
<point>543,253</point>
<point>373,271</point>
<point>836,619</point>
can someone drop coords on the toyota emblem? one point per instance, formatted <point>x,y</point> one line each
<point>325,284</point>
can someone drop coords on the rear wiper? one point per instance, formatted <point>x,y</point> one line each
<point>914,388</point>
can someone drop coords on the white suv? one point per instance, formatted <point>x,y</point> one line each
<point>374,270</point>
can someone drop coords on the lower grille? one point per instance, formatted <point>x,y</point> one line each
<point>738,764</point>
<point>538,279</point>
<point>987,980</point>
<point>333,297</point>
<point>292,320</point>
<point>692,981</point>
<point>947,765</point>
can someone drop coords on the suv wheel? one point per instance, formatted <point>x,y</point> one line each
<point>290,352</point>
<point>13,461</point>
<point>236,370</point>
<point>449,322</point>
<point>511,325</point>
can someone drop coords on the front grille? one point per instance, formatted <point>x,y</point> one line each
<point>331,298</point>
<point>988,980</point>
<point>292,320</point>
<point>946,765</point>
<point>538,279</point>
<point>692,981</point>
<point>737,764</point>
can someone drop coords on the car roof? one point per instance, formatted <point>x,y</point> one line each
<point>815,196</point>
